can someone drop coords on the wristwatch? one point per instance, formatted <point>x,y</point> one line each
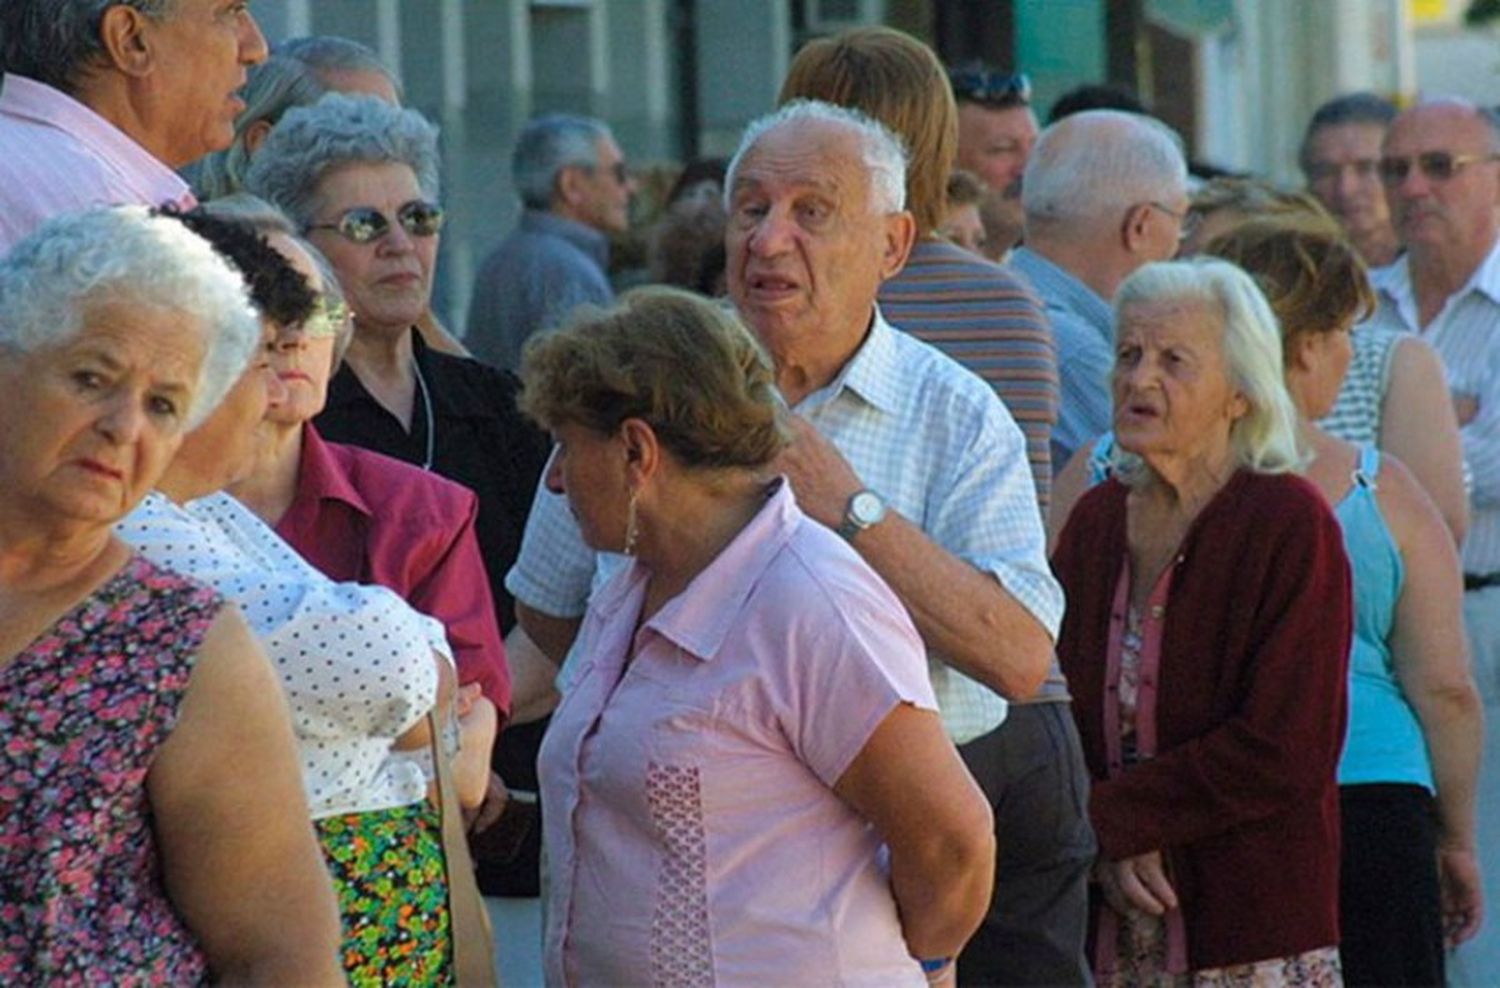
<point>865,508</point>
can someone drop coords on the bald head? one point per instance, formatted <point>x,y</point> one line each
<point>1441,177</point>
<point>1088,168</point>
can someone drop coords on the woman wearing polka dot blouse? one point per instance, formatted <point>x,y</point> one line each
<point>359,667</point>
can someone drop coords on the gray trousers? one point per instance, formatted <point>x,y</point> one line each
<point>1031,768</point>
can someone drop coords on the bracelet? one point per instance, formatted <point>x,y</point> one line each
<point>935,968</point>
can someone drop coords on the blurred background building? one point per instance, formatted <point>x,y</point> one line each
<point>678,78</point>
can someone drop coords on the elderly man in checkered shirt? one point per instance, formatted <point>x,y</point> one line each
<point>899,449</point>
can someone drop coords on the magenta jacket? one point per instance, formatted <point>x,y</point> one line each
<point>359,516</point>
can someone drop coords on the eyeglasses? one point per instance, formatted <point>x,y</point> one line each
<point>327,317</point>
<point>365,224</point>
<point>1439,166</point>
<point>1188,220</point>
<point>983,86</point>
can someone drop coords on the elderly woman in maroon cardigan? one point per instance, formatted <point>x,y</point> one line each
<point>1206,644</point>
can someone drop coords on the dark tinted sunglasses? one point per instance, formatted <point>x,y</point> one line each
<point>984,86</point>
<point>364,224</point>
<point>1438,166</point>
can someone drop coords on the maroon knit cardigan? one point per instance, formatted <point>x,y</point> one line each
<point>1250,717</point>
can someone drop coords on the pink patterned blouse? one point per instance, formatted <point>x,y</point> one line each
<point>692,831</point>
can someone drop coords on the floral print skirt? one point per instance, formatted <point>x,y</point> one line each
<point>1142,958</point>
<point>388,871</point>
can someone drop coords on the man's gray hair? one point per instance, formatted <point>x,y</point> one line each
<point>547,145</point>
<point>339,130</point>
<point>53,41</point>
<point>1264,439</point>
<point>123,254</point>
<point>274,86</point>
<point>884,155</point>
<point>1088,168</point>
<point>325,53</point>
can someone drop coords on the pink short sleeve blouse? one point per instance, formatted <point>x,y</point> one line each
<point>692,832</point>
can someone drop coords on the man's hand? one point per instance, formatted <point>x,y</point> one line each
<point>821,478</point>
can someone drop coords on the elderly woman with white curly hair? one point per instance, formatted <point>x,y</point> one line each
<point>1206,645</point>
<point>128,853</point>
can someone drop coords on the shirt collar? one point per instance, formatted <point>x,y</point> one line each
<point>584,237</point>
<point>874,373</point>
<point>1394,282</point>
<point>1063,289</point>
<point>320,476</point>
<point>700,618</point>
<point>345,387</point>
<point>41,104</point>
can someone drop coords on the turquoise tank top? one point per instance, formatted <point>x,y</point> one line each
<point>1384,742</point>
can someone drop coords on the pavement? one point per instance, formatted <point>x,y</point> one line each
<point>518,940</point>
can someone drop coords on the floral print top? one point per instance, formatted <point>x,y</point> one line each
<point>83,710</point>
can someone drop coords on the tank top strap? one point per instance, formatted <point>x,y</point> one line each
<point>1368,468</point>
<point>1101,458</point>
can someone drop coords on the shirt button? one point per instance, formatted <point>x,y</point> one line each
<point>1157,611</point>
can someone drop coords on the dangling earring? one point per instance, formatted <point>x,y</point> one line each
<point>632,529</point>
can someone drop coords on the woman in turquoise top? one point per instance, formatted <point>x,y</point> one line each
<point>1410,876</point>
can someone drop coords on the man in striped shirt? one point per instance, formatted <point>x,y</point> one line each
<point>1441,169</point>
<point>102,101</point>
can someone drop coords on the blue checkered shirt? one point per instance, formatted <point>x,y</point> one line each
<point>935,442</point>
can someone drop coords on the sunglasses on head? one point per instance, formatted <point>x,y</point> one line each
<point>364,224</point>
<point>1439,166</point>
<point>984,86</point>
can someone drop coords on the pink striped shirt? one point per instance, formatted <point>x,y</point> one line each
<point>59,156</point>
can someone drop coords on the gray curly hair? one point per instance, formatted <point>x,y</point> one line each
<point>339,130</point>
<point>49,281</point>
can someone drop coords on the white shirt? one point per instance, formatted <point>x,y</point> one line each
<point>1466,335</point>
<point>935,442</point>
<point>355,661</point>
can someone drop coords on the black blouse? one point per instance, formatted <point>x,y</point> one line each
<point>480,440</point>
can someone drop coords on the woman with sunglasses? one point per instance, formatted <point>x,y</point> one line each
<point>360,178</point>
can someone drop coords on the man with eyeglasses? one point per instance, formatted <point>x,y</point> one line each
<point>996,130</point>
<point>1340,156</point>
<point>1104,193</point>
<point>102,102</point>
<point>1441,174</point>
<point>575,191</point>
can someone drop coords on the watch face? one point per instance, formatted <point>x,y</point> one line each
<point>866,508</point>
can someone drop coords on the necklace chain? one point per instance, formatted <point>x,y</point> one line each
<point>427,411</point>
